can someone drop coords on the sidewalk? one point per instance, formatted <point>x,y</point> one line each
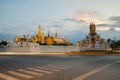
<point>37,53</point>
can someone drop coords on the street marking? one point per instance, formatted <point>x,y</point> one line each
<point>44,71</point>
<point>6,77</point>
<point>59,66</point>
<point>55,67</point>
<point>47,68</point>
<point>66,64</point>
<point>90,73</point>
<point>20,74</point>
<point>29,72</point>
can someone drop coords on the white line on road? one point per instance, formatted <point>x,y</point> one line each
<point>46,68</point>
<point>20,74</point>
<point>59,66</point>
<point>39,70</point>
<point>54,67</point>
<point>6,77</point>
<point>84,76</point>
<point>29,72</point>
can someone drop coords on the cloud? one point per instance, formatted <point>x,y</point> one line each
<point>108,25</point>
<point>115,19</point>
<point>117,29</point>
<point>87,17</point>
<point>103,28</point>
<point>68,19</point>
<point>84,17</point>
<point>99,25</point>
<point>72,19</point>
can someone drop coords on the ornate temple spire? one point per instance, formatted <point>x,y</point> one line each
<point>39,34</point>
<point>92,27</point>
<point>56,34</point>
<point>48,33</point>
<point>39,31</point>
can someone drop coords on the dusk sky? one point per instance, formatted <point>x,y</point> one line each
<point>71,18</point>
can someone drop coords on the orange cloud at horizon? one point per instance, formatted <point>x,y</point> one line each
<point>117,29</point>
<point>103,28</point>
<point>87,18</point>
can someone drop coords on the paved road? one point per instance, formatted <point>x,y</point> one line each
<point>62,67</point>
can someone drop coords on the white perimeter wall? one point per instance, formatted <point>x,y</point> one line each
<point>38,48</point>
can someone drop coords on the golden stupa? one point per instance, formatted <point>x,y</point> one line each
<point>43,40</point>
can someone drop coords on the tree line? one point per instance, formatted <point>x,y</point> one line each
<point>114,44</point>
<point>3,43</point>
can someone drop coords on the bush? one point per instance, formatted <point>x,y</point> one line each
<point>3,43</point>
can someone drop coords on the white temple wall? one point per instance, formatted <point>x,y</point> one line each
<point>34,47</point>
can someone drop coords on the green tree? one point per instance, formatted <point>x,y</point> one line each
<point>114,44</point>
<point>3,43</point>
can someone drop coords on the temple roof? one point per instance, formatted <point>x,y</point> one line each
<point>58,40</point>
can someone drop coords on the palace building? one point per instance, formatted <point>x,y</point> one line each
<point>43,40</point>
<point>93,40</point>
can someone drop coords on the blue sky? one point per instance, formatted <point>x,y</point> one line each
<point>70,18</point>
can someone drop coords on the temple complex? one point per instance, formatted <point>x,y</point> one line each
<point>93,40</point>
<point>43,40</point>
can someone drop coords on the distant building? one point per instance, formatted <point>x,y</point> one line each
<point>43,40</point>
<point>93,40</point>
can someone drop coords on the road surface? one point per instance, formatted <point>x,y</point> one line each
<point>60,67</point>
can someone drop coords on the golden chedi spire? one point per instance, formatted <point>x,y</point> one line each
<point>48,39</point>
<point>92,28</point>
<point>15,39</point>
<point>39,31</point>
<point>39,34</point>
